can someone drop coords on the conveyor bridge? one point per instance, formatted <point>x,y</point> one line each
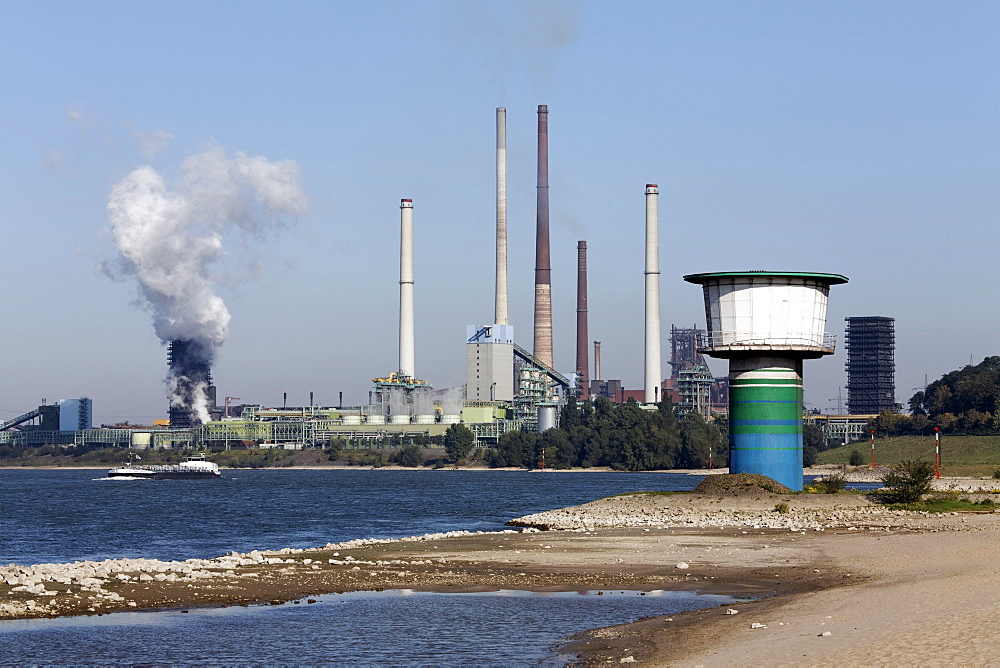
<point>531,359</point>
<point>20,419</point>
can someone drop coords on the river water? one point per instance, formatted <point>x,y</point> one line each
<point>67,515</point>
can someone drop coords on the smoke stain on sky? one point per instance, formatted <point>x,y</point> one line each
<point>514,37</point>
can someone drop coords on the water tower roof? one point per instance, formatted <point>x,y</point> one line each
<point>829,279</point>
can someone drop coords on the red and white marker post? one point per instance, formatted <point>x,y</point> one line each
<point>873,448</point>
<point>709,456</point>
<point>937,452</point>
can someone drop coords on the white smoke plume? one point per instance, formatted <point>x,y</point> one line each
<point>170,236</point>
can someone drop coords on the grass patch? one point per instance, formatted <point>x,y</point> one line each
<point>943,504</point>
<point>972,456</point>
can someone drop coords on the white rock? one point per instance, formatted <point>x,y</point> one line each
<point>731,611</point>
<point>682,565</point>
<point>758,625</point>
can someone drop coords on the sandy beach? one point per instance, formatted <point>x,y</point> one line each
<point>837,579</point>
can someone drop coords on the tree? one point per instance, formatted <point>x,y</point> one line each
<point>515,449</point>
<point>409,455</point>
<point>458,442</point>
<point>813,442</point>
<point>628,438</point>
<point>560,452</point>
<point>812,437</point>
<point>570,414</point>
<point>694,442</point>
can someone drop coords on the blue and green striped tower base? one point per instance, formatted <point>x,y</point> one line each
<point>765,418</point>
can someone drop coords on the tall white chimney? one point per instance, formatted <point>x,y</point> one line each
<point>406,287</point>
<point>653,371</point>
<point>597,360</point>
<point>501,287</point>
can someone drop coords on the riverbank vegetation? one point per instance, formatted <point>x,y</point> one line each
<point>625,437</point>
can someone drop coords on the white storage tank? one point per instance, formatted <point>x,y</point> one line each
<point>375,419</point>
<point>451,418</point>
<point>424,419</point>
<point>399,419</point>
<point>351,419</point>
<point>546,418</point>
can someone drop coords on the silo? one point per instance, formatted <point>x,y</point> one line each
<point>546,417</point>
<point>766,323</point>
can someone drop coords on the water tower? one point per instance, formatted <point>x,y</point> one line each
<point>766,323</point>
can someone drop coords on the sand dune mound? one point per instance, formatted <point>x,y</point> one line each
<point>740,484</point>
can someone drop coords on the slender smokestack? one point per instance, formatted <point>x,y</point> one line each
<point>582,337</point>
<point>500,316</point>
<point>597,360</point>
<point>406,287</point>
<point>652,375</point>
<point>543,271</point>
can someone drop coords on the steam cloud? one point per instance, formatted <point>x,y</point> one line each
<point>170,238</point>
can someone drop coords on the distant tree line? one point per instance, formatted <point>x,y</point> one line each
<point>624,437</point>
<point>964,401</point>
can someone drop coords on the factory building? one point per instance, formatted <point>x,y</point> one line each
<point>871,367</point>
<point>489,363</point>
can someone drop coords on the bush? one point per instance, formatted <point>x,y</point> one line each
<point>366,458</point>
<point>408,455</point>
<point>996,474</point>
<point>856,458</point>
<point>831,484</point>
<point>782,508</point>
<point>907,482</point>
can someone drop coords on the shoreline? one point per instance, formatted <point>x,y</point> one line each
<point>957,484</point>
<point>828,561</point>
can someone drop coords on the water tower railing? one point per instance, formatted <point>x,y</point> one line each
<point>783,341</point>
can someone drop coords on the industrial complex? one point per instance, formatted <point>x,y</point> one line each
<point>764,323</point>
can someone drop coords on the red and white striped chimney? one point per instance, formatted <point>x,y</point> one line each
<point>543,270</point>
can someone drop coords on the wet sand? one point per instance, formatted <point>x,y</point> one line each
<point>886,587</point>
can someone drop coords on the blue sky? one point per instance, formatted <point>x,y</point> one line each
<point>852,137</point>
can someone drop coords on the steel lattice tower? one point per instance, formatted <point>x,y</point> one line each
<point>871,367</point>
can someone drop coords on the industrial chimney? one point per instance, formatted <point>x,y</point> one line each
<point>406,288</point>
<point>582,337</point>
<point>501,287</point>
<point>597,360</point>
<point>543,270</point>
<point>653,370</point>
